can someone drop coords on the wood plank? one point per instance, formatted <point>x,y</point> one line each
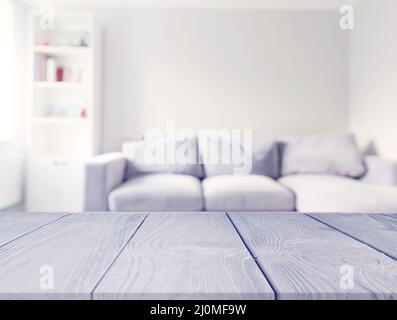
<point>303,258</point>
<point>14,225</point>
<point>377,230</point>
<point>185,256</point>
<point>79,248</point>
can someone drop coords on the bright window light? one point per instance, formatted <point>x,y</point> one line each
<point>7,71</point>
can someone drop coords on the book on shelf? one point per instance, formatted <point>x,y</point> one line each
<point>40,68</point>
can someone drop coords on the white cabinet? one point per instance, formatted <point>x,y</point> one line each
<point>42,177</point>
<point>55,185</point>
<point>71,180</point>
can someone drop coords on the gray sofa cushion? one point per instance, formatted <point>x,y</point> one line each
<point>158,192</point>
<point>326,193</point>
<point>246,193</point>
<point>263,158</point>
<point>154,157</point>
<point>323,154</point>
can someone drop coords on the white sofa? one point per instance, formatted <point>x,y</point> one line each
<point>292,180</point>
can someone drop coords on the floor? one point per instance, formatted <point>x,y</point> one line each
<point>17,208</point>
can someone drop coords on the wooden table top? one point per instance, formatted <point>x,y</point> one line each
<point>198,256</point>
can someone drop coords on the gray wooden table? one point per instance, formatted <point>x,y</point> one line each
<point>198,256</point>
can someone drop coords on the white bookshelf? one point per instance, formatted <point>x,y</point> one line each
<point>63,109</point>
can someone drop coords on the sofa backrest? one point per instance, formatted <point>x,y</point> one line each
<point>334,154</point>
<point>221,156</point>
<point>164,156</point>
<point>201,157</point>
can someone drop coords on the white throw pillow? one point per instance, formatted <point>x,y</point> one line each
<point>323,154</point>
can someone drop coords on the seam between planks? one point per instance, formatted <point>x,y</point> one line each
<point>35,229</point>
<point>116,257</point>
<point>251,252</point>
<point>352,237</point>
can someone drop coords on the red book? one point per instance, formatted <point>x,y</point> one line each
<point>60,74</point>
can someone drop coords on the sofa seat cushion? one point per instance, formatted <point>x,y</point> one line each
<point>246,193</point>
<point>326,193</point>
<point>158,192</point>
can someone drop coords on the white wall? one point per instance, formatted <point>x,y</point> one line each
<point>12,152</point>
<point>280,73</point>
<point>373,76</point>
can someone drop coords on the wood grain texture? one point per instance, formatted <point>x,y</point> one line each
<point>80,248</point>
<point>185,256</point>
<point>377,230</point>
<point>303,258</point>
<point>14,225</point>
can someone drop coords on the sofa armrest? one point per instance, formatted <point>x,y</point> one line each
<point>102,174</point>
<point>380,171</point>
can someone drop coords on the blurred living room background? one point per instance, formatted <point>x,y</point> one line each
<point>78,78</point>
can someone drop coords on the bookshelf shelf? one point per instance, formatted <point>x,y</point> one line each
<point>60,85</point>
<point>60,120</point>
<point>62,50</point>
